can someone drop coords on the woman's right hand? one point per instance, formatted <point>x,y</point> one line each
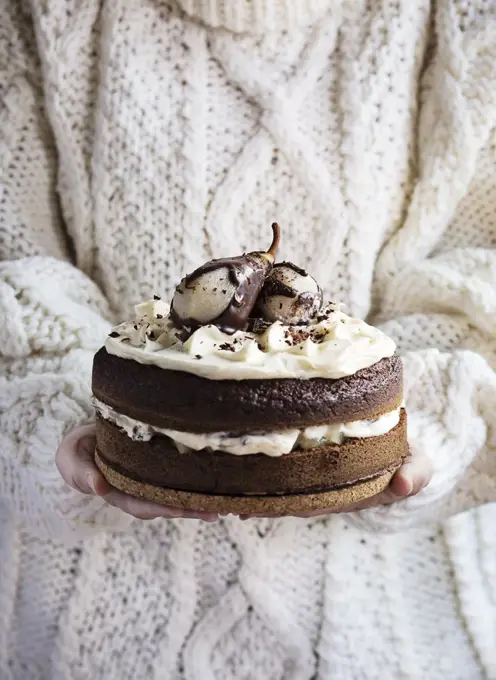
<point>76,463</point>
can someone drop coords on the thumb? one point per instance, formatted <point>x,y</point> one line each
<point>415,473</point>
<point>411,478</point>
<point>76,463</point>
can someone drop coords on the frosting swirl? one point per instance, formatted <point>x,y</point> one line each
<point>333,345</point>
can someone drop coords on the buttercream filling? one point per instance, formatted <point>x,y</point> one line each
<point>333,345</point>
<point>275,444</point>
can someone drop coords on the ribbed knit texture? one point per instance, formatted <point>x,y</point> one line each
<point>261,16</point>
<point>139,138</point>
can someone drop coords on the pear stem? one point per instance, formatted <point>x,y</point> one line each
<point>275,240</point>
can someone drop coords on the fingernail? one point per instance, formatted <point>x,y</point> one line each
<point>91,482</point>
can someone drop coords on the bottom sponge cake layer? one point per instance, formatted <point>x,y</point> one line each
<point>343,498</point>
<point>158,462</point>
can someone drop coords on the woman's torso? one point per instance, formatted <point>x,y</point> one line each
<point>186,143</point>
<point>176,144</point>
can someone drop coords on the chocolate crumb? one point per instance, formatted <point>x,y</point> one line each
<point>114,334</point>
<point>224,292</point>
<point>258,326</point>
<point>135,327</point>
<point>156,297</point>
<point>317,336</point>
<point>226,347</point>
<point>198,356</point>
<point>160,316</point>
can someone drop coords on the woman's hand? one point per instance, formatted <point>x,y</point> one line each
<point>411,478</point>
<point>76,463</point>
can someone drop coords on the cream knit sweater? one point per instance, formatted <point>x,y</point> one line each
<point>139,138</point>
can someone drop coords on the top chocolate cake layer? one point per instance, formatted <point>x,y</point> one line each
<point>182,401</point>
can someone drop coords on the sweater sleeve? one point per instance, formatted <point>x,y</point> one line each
<point>450,395</point>
<point>53,317</point>
<point>437,279</point>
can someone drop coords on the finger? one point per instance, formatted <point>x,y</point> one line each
<point>76,464</point>
<point>413,476</point>
<point>142,509</point>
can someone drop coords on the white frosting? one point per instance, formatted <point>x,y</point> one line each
<point>333,346</point>
<point>273,444</point>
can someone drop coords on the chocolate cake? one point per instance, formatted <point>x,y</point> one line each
<point>248,395</point>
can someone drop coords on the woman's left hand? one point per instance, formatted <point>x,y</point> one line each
<point>411,478</point>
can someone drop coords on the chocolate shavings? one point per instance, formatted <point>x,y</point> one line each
<point>226,347</point>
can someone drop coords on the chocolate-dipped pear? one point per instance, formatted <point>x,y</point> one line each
<point>223,292</point>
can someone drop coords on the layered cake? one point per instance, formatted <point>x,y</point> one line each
<point>249,394</point>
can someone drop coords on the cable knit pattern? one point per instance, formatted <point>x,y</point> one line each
<point>256,17</point>
<point>139,138</point>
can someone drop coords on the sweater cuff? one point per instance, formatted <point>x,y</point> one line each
<point>256,16</point>
<point>451,402</point>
